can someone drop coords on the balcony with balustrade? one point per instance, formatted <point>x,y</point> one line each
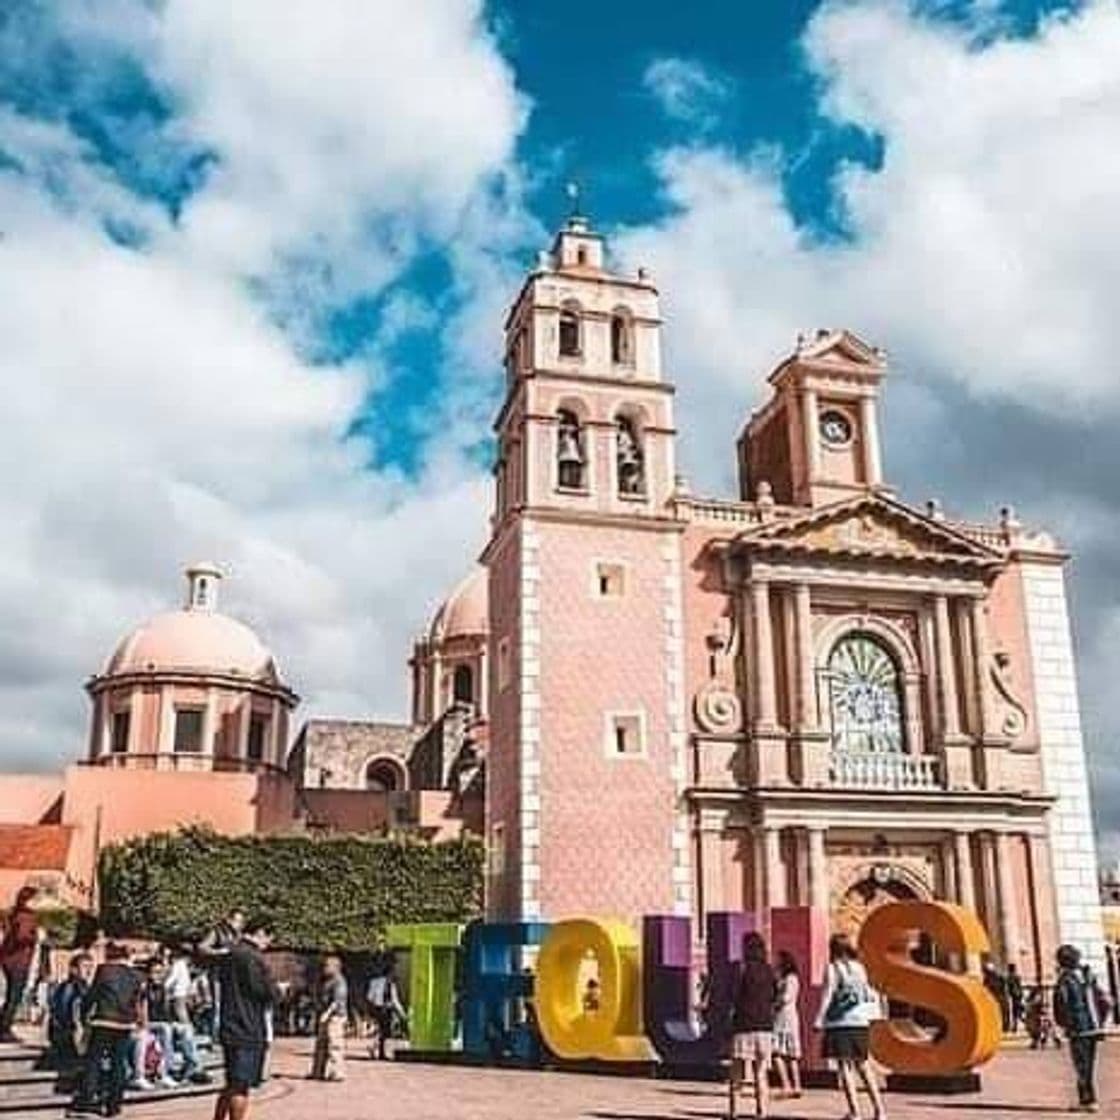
<point>883,770</point>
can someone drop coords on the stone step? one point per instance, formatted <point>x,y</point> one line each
<point>50,1103</point>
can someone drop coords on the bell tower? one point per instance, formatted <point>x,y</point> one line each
<point>817,439</point>
<point>586,755</point>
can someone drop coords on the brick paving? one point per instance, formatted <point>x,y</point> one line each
<point>1018,1085</point>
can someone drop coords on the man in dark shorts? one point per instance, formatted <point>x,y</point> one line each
<point>247,991</point>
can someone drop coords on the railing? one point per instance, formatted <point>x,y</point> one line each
<point>722,511</point>
<point>993,536</point>
<point>883,771</point>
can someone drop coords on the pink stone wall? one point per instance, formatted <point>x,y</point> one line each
<point>28,798</point>
<point>606,822</point>
<point>503,769</point>
<point>106,805</point>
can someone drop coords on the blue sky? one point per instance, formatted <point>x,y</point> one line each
<point>253,270</point>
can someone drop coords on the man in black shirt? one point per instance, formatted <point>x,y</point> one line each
<point>114,1008</point>
<point>247,992</point>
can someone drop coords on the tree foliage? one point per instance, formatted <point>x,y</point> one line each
<point>315,892</point>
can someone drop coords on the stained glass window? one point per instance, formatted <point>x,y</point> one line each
<point>865,697</point>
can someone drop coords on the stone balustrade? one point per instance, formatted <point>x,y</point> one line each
<point>884,771</point>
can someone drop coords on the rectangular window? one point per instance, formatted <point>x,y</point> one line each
<point>258,729</point>
<point>188,731</point>
<point>626,735</point>
<point>610,580</point>
<point>122,723</point>
<point>505,663</point>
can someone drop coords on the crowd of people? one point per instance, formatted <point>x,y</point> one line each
<point>125,1017</point>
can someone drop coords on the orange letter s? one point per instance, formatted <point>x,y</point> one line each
<point>971,1015</point>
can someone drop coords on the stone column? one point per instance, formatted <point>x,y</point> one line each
<point>949,705</point>
<point>775,868</point>
<point>948,870</point>
<point>135,720</point>
<point>818,869</point>
<point>166,742</point>
<point>245,717</point>
<point>1008,898</point>
<point>965,877</point>
<point>812,438</point>
<point>806,665</point>
<point>872,463</point>
<point>765,700</point>
<point>790,655</point>
<point>980,665</point>
<point>272,751</point>
<point>965,883</point>
<point>209,723</point>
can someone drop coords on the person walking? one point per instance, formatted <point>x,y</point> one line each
<point>114,1010</point>
<point>752,1021</point>
<point>848,1006</point>
<point>1080,1009</point>
<point>1015,1004</point>
<point>385,1006</point>
<point>996,983</point>
<point>66,1025</point>
<point>787,1026</point>
<point>17,955</point>
<point>246,992</point>
<point>329,1062</point>
<point>177,988</point>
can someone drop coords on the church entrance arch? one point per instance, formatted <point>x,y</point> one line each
<point>868,886</point>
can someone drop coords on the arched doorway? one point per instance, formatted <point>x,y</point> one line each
<point>881,883</point>
<point>383,775</point>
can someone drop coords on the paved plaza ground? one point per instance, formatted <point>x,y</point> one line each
<point>1018,1085</point>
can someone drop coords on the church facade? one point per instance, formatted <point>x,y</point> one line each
<point>813,693</point>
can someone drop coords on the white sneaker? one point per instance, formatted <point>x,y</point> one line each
<point>168,1082</point>
<point>142,1085</point>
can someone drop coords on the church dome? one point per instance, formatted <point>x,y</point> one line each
<point>466,613</point>
<point>196,638</point>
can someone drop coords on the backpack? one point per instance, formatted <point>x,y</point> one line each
<point>847,995</point>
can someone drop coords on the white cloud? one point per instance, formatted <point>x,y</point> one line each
<point>156,411</point>
<point>984,254</point>
<point>985,247</point>
<point>687,91</point>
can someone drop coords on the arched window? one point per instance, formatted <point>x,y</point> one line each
<point>462,685</point>
<point>382,776</point>
<point>622,348</point>
<point>571,459</point>
<point>629,457</point>
<point>865,697</point>
<point>569,332</point>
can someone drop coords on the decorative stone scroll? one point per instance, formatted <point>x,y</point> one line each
<point>716,705</point>
<point>1013,715</point>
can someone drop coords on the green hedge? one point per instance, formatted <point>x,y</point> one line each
<point>317,893</point>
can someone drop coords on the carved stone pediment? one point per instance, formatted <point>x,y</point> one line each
<point>870,526</point>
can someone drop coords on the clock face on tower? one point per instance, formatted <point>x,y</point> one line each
<point>835,428</point>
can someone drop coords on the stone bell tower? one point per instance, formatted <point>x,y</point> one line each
<point>586,758</point>
<point>816,440</point>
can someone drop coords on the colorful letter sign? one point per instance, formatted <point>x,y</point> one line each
<point>613,1032</point>
<point>972,1016</point>
<point>431,989</point>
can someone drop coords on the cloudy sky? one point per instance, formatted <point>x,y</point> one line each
<point>253,260</point>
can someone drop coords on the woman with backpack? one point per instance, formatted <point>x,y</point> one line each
<point>1080,1009</point>
<point>848,1007</point>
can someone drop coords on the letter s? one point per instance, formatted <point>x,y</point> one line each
<point>971,1015</point>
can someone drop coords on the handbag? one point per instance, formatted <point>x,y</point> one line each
<point>846,996</point>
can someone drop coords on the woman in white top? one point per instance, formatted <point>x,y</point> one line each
<point>787,1026</point>
<point>848,1006</point>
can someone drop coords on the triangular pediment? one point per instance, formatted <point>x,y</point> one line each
<point>840,347</point>
<point>871,525</point>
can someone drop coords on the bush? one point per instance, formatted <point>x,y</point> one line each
<point>316,893</point>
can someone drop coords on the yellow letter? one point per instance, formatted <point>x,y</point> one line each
<point>613,1032</point>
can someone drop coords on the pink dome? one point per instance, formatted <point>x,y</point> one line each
<point>192,640</point>
<point>467,610</point>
